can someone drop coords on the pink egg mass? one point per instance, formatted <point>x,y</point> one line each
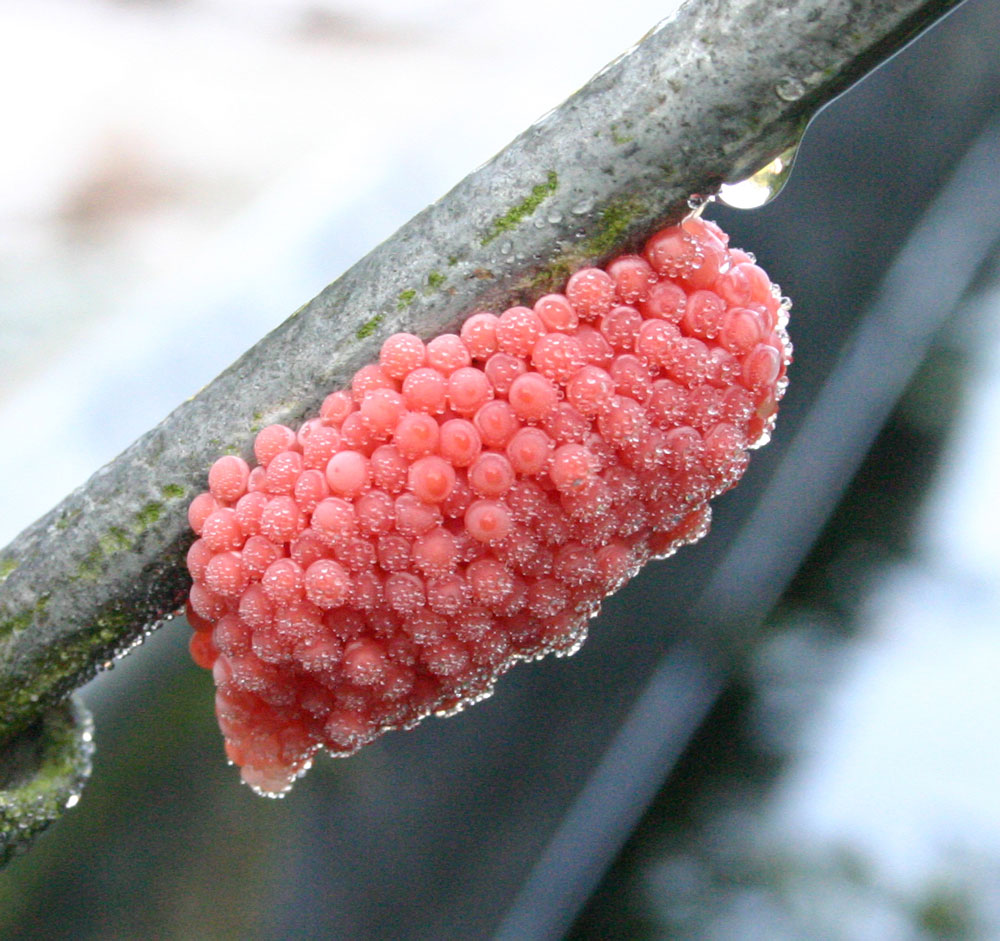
<point>472,499</point>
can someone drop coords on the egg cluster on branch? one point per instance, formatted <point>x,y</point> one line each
<point>469,501</point>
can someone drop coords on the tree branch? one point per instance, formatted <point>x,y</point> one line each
<point>708,96</point>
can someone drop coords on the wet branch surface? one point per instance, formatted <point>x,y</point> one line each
<point>709,96</point>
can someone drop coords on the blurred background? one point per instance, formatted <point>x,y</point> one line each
<point>789,730</point>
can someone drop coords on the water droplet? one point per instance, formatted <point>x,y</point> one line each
<point>789,89</point>
<point>583,207</point>
<point>759,189</point>
<point>555,217</point>
<point>696,202</point>
<point>783,316</point>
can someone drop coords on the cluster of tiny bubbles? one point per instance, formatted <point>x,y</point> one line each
<point>146,631</point>
<point>468,502</point>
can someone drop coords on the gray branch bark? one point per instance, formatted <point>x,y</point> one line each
<point>708,96</point>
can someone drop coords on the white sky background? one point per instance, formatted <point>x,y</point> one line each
<point>177,177</point>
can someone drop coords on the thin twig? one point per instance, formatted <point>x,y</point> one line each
<point>709,96</point>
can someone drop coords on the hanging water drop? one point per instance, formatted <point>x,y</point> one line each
<point>759,189</point>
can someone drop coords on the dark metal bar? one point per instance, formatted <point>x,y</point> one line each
<point>666,714</point>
